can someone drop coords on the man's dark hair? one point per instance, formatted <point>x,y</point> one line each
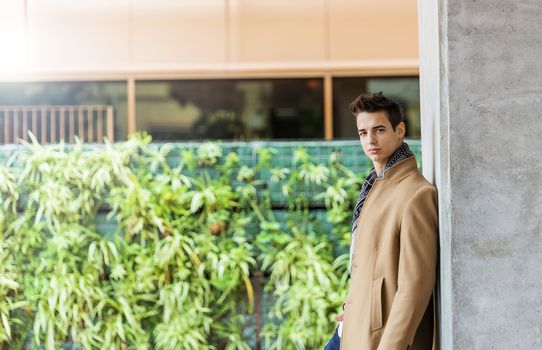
<point>376,103</point>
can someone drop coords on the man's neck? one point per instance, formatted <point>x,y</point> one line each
<point>378,168</point>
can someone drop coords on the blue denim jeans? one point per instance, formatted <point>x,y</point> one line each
<point>334,342</point>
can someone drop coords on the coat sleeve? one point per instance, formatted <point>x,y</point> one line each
<point>417,270</point>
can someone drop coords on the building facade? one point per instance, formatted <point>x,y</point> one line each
<point>193,69</point>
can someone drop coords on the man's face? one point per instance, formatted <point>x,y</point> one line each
<point>377,137</point>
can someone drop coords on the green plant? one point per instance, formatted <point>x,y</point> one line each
<point>8,289</point>
<point>177,271</point>
<point>307,282</point>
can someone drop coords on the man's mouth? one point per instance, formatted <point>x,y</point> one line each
<point>374,150</point>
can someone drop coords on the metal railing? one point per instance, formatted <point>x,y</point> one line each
<point>51,124</point>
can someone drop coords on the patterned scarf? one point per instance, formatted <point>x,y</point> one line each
<point>403,152</point>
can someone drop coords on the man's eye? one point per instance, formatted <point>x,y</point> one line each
<point>362,133</point>
<point>380,130</point>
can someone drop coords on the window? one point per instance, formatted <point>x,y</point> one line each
<point>239,109</point>
<point>404,90</point>
<point>177,110</point>
<point>96,95</point>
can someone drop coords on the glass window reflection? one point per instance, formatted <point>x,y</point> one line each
<point>239,109</point>
<point>404,90</point>
<point>80,93</point>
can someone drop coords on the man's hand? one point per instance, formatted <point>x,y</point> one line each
<point>339,318</point>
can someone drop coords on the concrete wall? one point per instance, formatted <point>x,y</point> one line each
<point>488,143</point>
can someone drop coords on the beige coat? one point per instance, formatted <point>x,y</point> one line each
<point>394,266</point>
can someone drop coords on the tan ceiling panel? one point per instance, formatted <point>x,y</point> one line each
<point>67,34</point>
<point>178,32</point>
<point>369,29</point>
<point>277,31</point>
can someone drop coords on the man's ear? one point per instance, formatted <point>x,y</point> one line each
<point>401,129</point>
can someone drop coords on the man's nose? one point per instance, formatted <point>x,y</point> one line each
<point>371,138</point>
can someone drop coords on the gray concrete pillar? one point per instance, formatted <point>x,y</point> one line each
<point>481,89</point>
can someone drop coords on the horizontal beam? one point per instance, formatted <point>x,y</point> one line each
<point>216,71</point>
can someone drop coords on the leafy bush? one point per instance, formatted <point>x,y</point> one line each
<point>181,269</point>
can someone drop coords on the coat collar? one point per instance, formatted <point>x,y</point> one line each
<point>401,169</point>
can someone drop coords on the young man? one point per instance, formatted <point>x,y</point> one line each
<point>393,251</point>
